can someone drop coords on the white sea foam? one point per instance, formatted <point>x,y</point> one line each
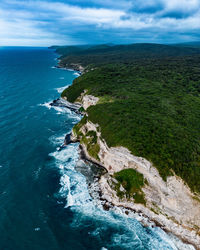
<point>59,110</point>
<point>61,89</point>
<point>62,110</point>
<point>70,114</point>
<point>128,233</point>
<point>66,187</point>
<point>57,140</point>
<point>46,104</point>
<point>76,74</point>
<point>179,244</point>
<point>61,78</point>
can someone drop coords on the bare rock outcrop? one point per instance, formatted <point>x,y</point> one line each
<point>89,100</point>
<point>171,204</point>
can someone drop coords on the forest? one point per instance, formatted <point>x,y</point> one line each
<point>149,101</point>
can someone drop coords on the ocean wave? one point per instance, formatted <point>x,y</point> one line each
<point>57,140</point>
<point>61,89</point>
<point>62,110</point>
<point>76,74</point>
<point>127,231</point>
<point>65,189</point>
<point>46,104</point>
<point>59,110</point>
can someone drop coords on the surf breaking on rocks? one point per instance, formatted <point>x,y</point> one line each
<point>127,231</point>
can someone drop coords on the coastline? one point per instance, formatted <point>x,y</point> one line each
<point>110,201</point>
<point>71,67</point>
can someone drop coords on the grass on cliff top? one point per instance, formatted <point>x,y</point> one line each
<point>132,182</point>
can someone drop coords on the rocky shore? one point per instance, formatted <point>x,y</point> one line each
<point>60,102</point>
<point>170,205</point>
<point>72,66</point>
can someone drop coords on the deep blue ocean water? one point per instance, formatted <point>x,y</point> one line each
<point>44,200</point>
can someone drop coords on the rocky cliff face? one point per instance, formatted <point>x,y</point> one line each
<point>171,204</point>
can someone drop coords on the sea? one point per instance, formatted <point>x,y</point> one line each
<point>45,202</point>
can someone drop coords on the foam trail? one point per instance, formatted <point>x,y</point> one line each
<point>61,89</point>
<point>77,74</point>
<point>62,110</point>
<point>57,140</point>
<point>65,187</point>
<point>46,104</point>
<point>58,109</point>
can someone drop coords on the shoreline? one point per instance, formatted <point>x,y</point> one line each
<point>71,67</point>
<point>108,204</point>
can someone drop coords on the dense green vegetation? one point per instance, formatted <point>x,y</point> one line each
<point>132,182</point>
<point>66,50</point>
<point>149,104</point>
<point>104,54</point>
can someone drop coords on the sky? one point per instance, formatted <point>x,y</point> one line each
<point>72,22</point>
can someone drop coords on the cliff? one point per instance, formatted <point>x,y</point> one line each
<point>170,203</point>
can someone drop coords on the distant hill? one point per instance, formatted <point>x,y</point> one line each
<point>101,54</point>
<point>189,44</point>
<point>66,50</point>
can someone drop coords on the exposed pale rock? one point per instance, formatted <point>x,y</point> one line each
<point>89,100</point>
<point>170,203</point>
<point>122,189</point>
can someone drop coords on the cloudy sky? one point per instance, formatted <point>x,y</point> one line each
<point>48,22</point>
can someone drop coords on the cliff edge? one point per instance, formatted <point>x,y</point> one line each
<point>170,203</point>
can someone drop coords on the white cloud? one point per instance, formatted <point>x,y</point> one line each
<point>114,18</point>
<point>54,22</point>
<point>183,5</point>
<point>25,32</point>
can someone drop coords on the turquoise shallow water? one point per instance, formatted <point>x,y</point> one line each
<point>44,200</point>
